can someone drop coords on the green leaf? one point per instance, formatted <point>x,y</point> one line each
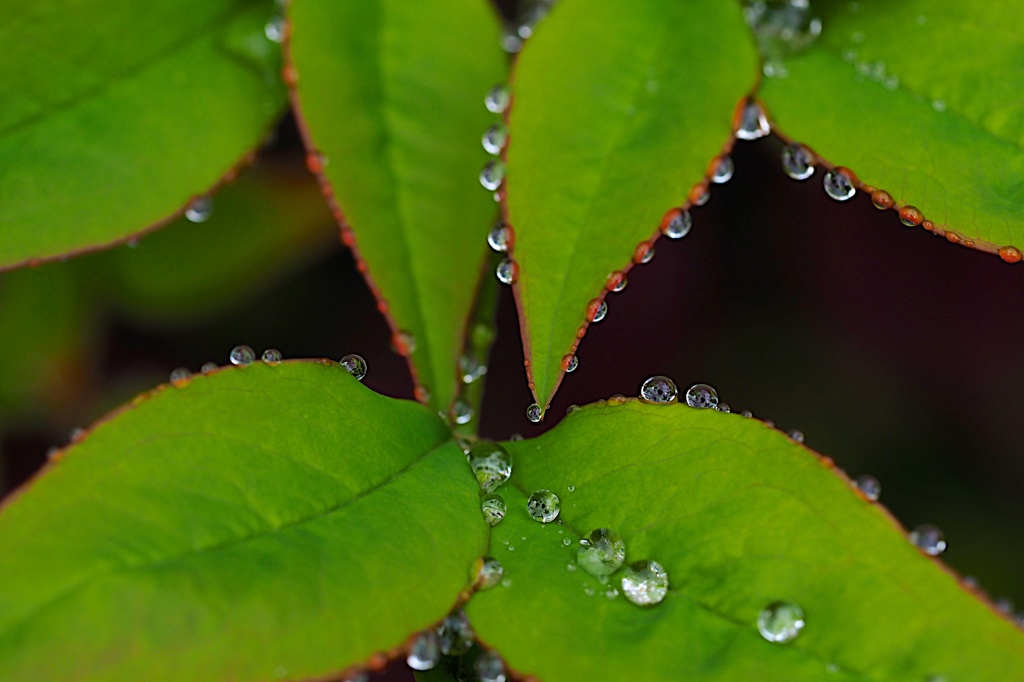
<point>115,116</point>
<point>740,517</point>
<point>258,523</point>
<point>391,97</point>
<point>915,98</point>
<point>618,109</point>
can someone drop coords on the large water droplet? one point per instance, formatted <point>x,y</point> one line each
<point>497,99</point>
<point>702,396</point>
<point>928,539</point>
<point>659,390</point>
<point>543,506</point>
<point>780,621</point>
<point>242,355</point>
<point>645,583</point>
<point>753,122</point>
<point>271,356</point>
<point>507,271</point>
<point>494,138</point>
<point>492,174</point>
<point>723,170</point>
<point>454,634</point>
<point>489,573</point>
<point>199,210</point>
<point>425,652</point>
<point>355,365</point>
<point>677,223</point>
<point>462,412</point>
<point>534,413</point>
<point>838,185</point>
<point>601,553</point>
<point>491,464</point>
<point>489,667</point>
<point>869,486</point>
<point>797,161</point>
<point>497,238</point>
<point>493,509</point>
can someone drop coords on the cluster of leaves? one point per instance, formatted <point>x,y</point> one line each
<point>242,524</point>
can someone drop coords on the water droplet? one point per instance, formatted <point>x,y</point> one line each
<point>589,590</point>
<point>1005,604</point>
<point>724,407</point>
<point>676,224</point>
<point>597,310</point>
<point>643,253</point>
<point>782,28</point>
<point>566,541</point>
<point>425,652</point>
<point>571,567</point>
<point>403,343</point>
<point>839,185</point>
<point>746,413</point>
<point>1011,254</point>
<point>199,210</point>
<point>869,486</point>
<point>723,170</point>
<point>939,105</point>
<point>454,634</point>
<point>507,271</point>
<point>494,138</point>
<point>796,435</point>
<point>355,365</point>
<point>617,399</point>
<point>572,408</point>
<point>645,583</point>
<point>780,622</point>
<point>489,572</point>
<point>571,488</point>
<point>471,368</point>
<point>616,281</point>
<point>928,539</point>
<point>462,412</point>
<point>882,200</point>
<point>489,667</point>
<point>534,413</point>
<point>516,437</point>
<point>659,390</point>
<point>753,123</point>
<point>491,464</point>
<point>274,30</point>
<point>498,238</point>
<point>702,397</point>
<point>699,194</point>
<point>492,174</point>
<point>543,506</point>
<point>601,553</point>
<point>797,161</point>
<point>78,435</point>
<point>208,367</point>
<point>242,355</point>
<point>493,509</point>
<point>911,216</point>
<point>271,356</point>
<point>180,376</point>
<point>497,99</point>
<point>510,41</point>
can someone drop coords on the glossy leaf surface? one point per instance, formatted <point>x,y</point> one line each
<point>916,98</point>
<point>740,517</point>
<point>255,524</point>
<point>618,109</point>
<point>391,95</point>
<point>115,116</point>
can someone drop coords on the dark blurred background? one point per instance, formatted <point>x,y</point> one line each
<point>897,353</point>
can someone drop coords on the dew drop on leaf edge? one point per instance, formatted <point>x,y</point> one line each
<point>489,667</point>
<point>534,413</point>
<point>271,356</point>
<point>425,652</point>
<point>355,365</point>
<point>838,185</point>
<point>928,539</point>
<point>659,390</point>
<point>242,355</point>
<point>797,161</point>
<point>869,486</point>
<point>702,396</point>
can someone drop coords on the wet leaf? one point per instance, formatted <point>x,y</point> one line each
<point>115,116</point>
<point>914,97</point>
<point>258,523</point>
<point>391,98</point>
<point>740,517</point>
<point>618,108</point>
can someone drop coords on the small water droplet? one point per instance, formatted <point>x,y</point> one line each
<point>724,407</point>
<point>676,224</point>
<point>839,185</point>
<point>571,567</point>
<point>425,652</point>
<point>199,210</point>
<point>242,355</point>
<point>572,408</point>
<point>796,435</point>
<point>617,399</point>
<point>597,310</point>
<point>911,216</point>
<point>491,464</point>
<point>570,362</point>
<point>753,124</point>
<point>454,634</point>
<point>180,376</point>
<point>928,539</point>
<point>497,99</point>
<point>510,41</point>
<point>403,343</point>
<point>566,541</point>
<point>702,397</point>
<point>494,139</point>
<point>643,253</point>
<point>489,667</point>
<point>601,553</point>
<point>780,622</point>
<point>543,506</point>
<point>492,174</point>
<point>271,356</point>
<point>493,509</point>
<point>882,200</point>
<point>869,486</point>
<point>611,593</point>
<point>515,437</point>
<point>355,365</point>
<point>645,583</point>
<point>78,435</point>
<point>471,368</point>
<point>939,105</point>
<point>746,413</point>
<point>208,367</point>
<point>489,572</point>
<point>507,271</point>
<point>724,170</point>
<point>498,238</point>
<point>699,194</point>
<point>462,412</point>
<point>589,590</point>
<point>1005,605</point>
<point>571,488</point>
<point>534,413</point>
<point>797,161</point>
<point>616,281</point>
<point>659,390</point>
<point>274,30</point>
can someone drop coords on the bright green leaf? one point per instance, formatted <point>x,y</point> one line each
<point>391,94</point>
<point>618,109</point>
<point>740,517</point>
<point>262,522</point>
<point>115,115</point>
<point>920,99</point>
